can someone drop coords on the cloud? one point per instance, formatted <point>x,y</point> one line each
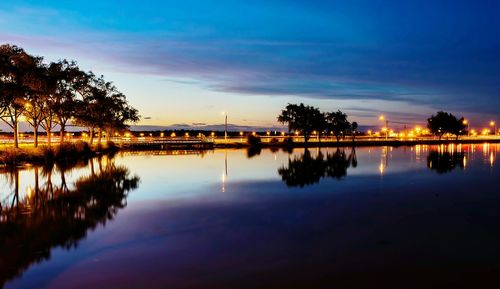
<point>343,51</point>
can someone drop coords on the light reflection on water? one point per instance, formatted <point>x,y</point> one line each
<point>225,215</point>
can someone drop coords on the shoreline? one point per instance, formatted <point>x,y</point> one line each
<point>18,157</point>
<point>11,157</point>
<point>357,143</point>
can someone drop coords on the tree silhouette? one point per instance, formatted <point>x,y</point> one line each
<point>444,162</point>
<point>56,217</point>
<point>35,102</point>
<point>444,122</point>
<point>338,124</point>
<point>103,108</point>
<point>305,119</point>
<point>67,84</point>
<point>57,94</point>
<point>15,75</point>
<point>306,170</point>
<point>354,130</point>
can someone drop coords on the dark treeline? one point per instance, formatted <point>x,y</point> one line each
<point>57,94</point>
<point>55,215</point>
<point>444,162</point>
<point>444,122</point>
<point>307,170</point>
<point>309,120</point>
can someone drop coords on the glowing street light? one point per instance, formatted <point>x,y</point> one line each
<point>382,118</point>
<point>466,122</point>
<point>225,127</point>
<point>494,124</point>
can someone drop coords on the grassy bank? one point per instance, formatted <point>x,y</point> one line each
<point>45,154</point>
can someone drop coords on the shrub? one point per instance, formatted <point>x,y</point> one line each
<point>253,140</point>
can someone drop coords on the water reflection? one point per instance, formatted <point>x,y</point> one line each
<point>54,214</point>
<point>411,225</point>
<point>307,169</point>
<point>444,162</point>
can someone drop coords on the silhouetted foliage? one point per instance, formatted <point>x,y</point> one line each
<point>307,170</point>
<point>338,124</point>
<point>444,162</point>
<point>55,216</point>
<point>354,130</point>
<point>444,122</point>
<point>17,74</point>
<point>57,94</point>
<point>253,151</point>
<point>302,118</point>
<point>253,140</point>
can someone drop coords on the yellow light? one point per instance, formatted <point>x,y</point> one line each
<point>212,134</point>
<point>172,134</point>
<point>369,132</point>
<point>142,134</point>
<point>162,134</point>
<point>254,133</point>
<point>492,123</point>
<point>296,133</point>
<point>382,117</point>
<point>381,168</point>
<point>465,121</point>
<point>282,133</point>
<point>384,129</point>
<point>268,133</point>
<point>241,133</point>
<point>29,192</point>
<point>186,134</point>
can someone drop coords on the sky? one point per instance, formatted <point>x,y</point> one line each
<point>184,62</point>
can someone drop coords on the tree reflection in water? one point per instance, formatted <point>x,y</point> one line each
<point>306,169</point>
<point>53,215</point>
<point>444,162</point>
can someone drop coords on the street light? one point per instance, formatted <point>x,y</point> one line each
<point>225,127</point>
<point>382,117</point>
<point>494,124</point>
<point>466,122</point>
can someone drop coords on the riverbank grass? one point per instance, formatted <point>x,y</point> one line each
<point>54,153</point>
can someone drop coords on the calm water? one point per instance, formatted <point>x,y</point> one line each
<point>408,217</point>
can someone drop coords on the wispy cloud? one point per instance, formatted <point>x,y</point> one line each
<point>343,51</point>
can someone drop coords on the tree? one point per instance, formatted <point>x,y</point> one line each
<point>103,108</point>
<point>338,124</point>
<point>67,82</point>
<point>15,74</point>
<point>305,119</point>
<point>444,122</point>
<point>35,105</point>
<point>354,130</point>
<point>459,128</point>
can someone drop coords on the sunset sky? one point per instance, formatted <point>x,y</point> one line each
<point>183,62</point>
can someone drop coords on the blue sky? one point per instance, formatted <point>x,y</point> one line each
<point>183,62</point>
